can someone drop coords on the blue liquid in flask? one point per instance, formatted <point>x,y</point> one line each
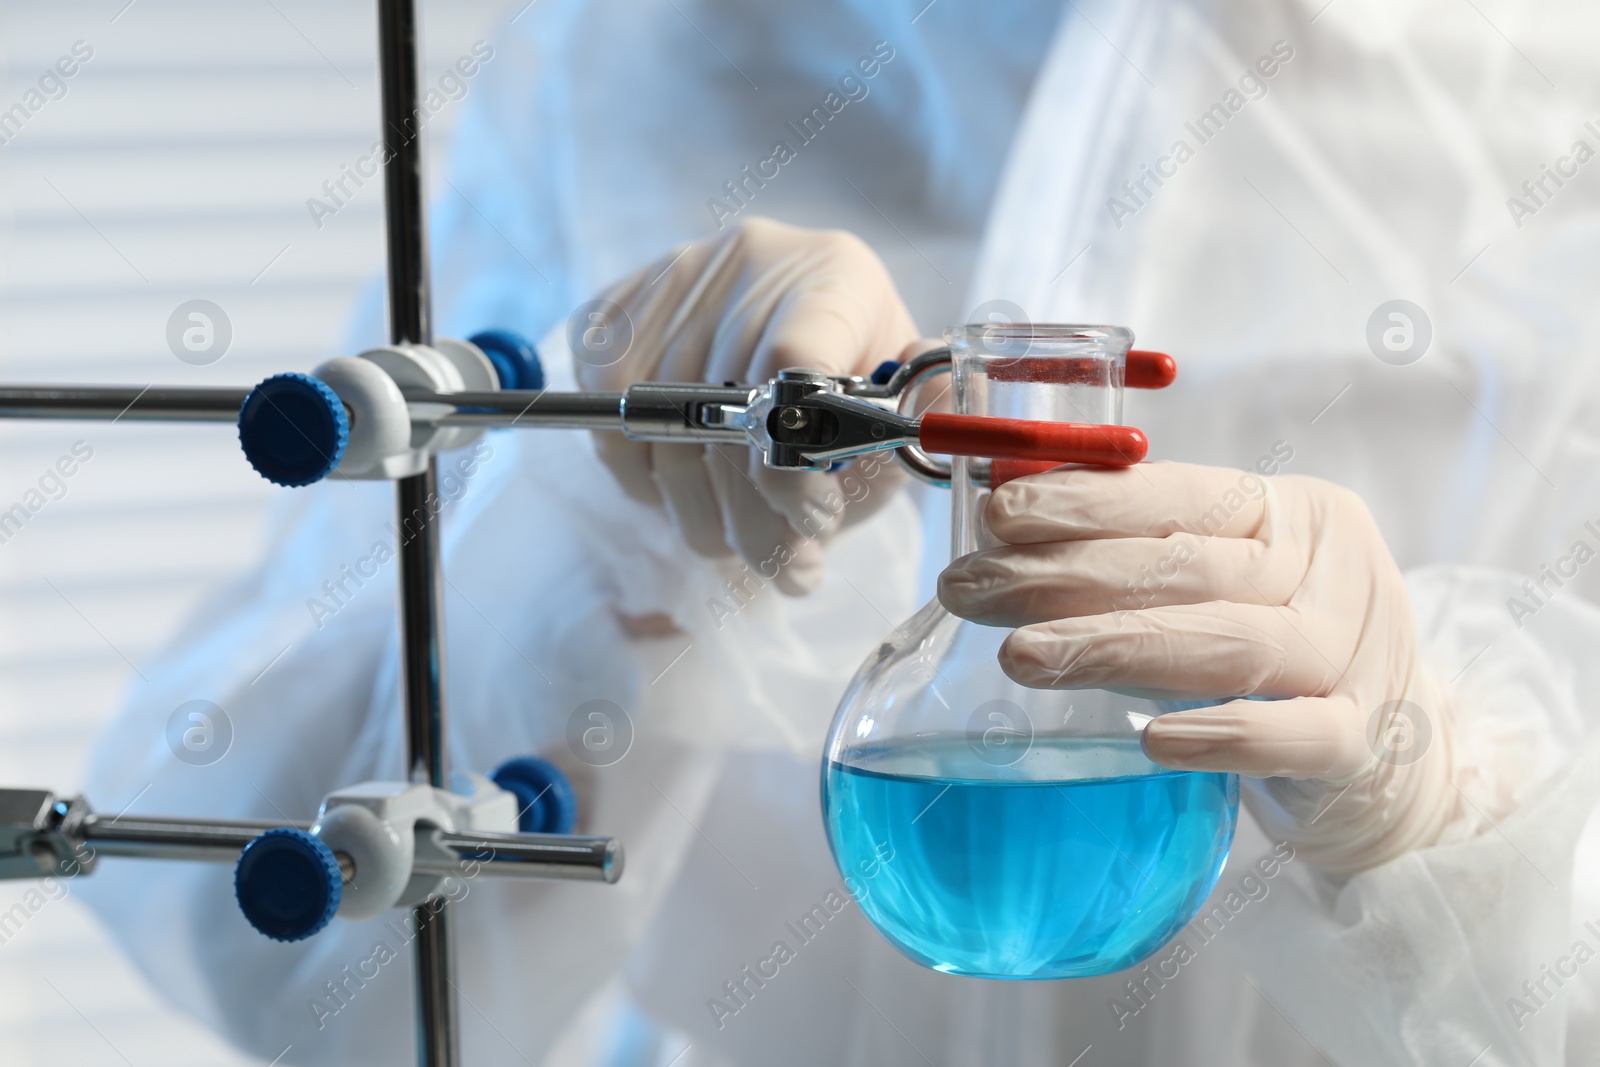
<point>1082,858</point>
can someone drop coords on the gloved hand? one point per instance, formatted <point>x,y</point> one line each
<point>1181,582</point>
<point>742,306</point>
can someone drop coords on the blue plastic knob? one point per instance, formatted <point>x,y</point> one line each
<point>884,371</point>
<point>545,799</point>
<point>294,429</point>
<point>288,884</point>
<point>515,359</point>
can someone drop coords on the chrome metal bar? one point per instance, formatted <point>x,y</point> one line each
<point>560,856</point>
<point>405,214</point>
<point>421,615</point>
<point>421,625</point>
<point>652,411</point>
<point>114,402</point>
<point>438,1044</point>
<point>172,839</point>
<point>581,411</point>
<point>519,407</point>
<point>687,411</point>
<point>563,857</point>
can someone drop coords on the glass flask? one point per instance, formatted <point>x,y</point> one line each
<point>992,830</point>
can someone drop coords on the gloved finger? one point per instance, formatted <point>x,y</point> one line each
<point>817,506</point>
<point>1182,652</point>
<point>828,329</point>
<point>689,346</point>
<point>681,472</point>
<point>648,308</point>
<point>845,321</point>
<point>760,535</point>
<point>811,502</point>
<point>630,463</point>
<point>1145,500</point>
<point>1016,585</point>
<point>868,484</point>
<point>1306,737</point>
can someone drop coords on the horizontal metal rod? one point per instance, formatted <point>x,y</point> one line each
<point>565,856</point>
<point>547,856</point>
<point>521,407</point>
<point>149,403</point>
<point>173,839</point>
<point>518,407</point>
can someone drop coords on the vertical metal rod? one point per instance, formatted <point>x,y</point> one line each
<point>421,607</point>
<point>421,627</point>
<point>437,1041</point>
<point>405,217</point>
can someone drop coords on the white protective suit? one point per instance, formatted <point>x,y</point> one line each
<point>1373,164</point>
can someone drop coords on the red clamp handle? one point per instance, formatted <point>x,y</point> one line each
<point>1020,447</point>
<point>1149,370</point>
<point>1143,370</point>
<point>1055,442</point>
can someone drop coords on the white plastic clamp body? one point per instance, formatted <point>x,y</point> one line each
<point>383,827</point>
<point>385,443</point>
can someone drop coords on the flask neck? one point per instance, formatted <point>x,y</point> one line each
<point>1040,373</point>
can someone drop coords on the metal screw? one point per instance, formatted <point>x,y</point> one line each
<point>793,418</point>
<point>801,374</point>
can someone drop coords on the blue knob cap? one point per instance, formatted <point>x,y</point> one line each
<point>884,371</point>
<point>288,884</point>
<point>515,360</point>
<point>294,429</point>
<point>544,796</point>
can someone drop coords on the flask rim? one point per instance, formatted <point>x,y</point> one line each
<point>980,336</point>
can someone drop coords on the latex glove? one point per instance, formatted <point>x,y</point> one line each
<point>742,306</point>
<point>1183,582</point>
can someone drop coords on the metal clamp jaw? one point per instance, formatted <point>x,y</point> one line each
<point>864,415</point>
<point>801,420</point>
<point>41,835</point>
<point>806,420</point>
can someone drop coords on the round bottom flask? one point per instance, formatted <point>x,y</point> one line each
<point>992,830</point>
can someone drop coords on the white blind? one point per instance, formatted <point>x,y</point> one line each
<point>173,165</point>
